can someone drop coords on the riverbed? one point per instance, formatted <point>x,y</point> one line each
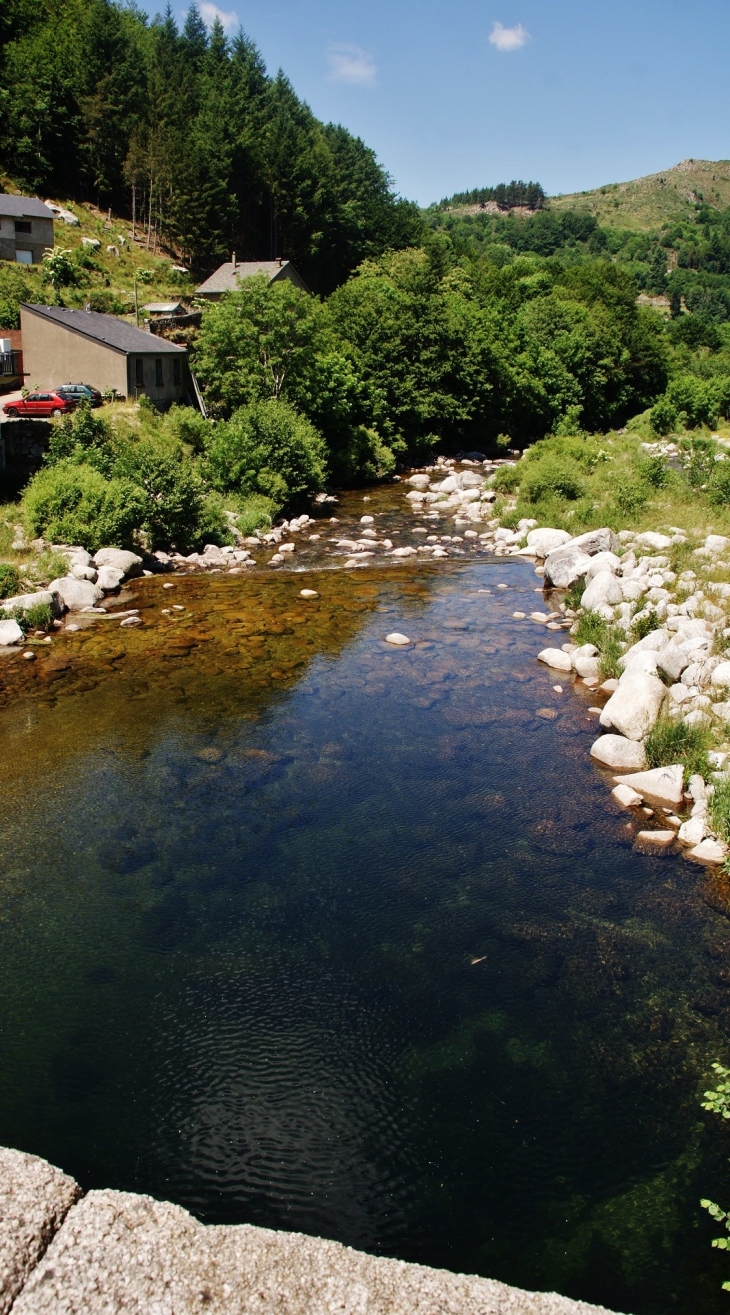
<point>301,929</point>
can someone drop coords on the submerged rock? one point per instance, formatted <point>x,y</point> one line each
<point>555,657</point>
<point>397,638</point>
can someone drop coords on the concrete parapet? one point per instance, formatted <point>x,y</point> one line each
<point>118,1251</point>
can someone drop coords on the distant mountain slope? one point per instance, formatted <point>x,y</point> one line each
<point>647,203</point>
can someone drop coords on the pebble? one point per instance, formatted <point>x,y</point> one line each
<point>519,616</point>
<point>178,607</point>
<point>367,520</point>
<point>558,689</point>
<point>308,593</point>
<point>655,839</point>
<point>29,657</point>
<point>131,621</point>
<point>626,796</point>
<point>73,626</point>
<point>548,714</point>
<point>395,637</point>
<point>169,585</point>
<point>501,586</point>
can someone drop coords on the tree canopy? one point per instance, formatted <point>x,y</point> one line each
<point>187,128</point>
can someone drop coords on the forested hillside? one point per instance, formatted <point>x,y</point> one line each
<point>187,129</point>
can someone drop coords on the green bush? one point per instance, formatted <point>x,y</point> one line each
<point>82,436</point>
<point>718,488</point>
<point>631,498</point>
<point>364,457</point>
<point>269,449</point>
<point>256,513</point>
<point>551,477</point>
<point>697,456</point>
<point>663,417</point>
<point>675,742</point>
<point>655,472</point>
<point>72,503</point>
<point>9,580</point>
<point>173,495</point>
<point>720,810</point>
<point>507,479</point>
<point>643,626</point>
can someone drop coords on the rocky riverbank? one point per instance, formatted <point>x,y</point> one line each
<point>670,633</point>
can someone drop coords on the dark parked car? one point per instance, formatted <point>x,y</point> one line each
<point>81,393</point>
<point>39,406</point>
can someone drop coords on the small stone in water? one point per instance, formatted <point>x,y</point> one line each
<point>131,621</point>
<point>29,657</point>
<point>165,611</point>
<point>626,796</point>
<point>168,585</point>
<point>501,586</point>
<point>396,638</point>
<point>548,714</point>
<point>558,689</point>
<point>308,593</point>
<point>519,616</point>
<point>73,626</point>
<point>178,607</point>
<point>367,520</point>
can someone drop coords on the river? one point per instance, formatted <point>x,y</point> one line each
<point>304,930</point>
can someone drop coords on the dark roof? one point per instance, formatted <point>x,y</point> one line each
<point>115,333</point>
<point>226,277</point>
<point>24,207</point>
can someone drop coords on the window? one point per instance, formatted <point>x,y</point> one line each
<point>176,370</point>
<point>24,257</point>
<point>139,372</point>
<point>23,226</point>
<point>158,373</point>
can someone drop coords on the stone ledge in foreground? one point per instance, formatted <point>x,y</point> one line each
<point>121,1252</point>
<point>34,1200</point>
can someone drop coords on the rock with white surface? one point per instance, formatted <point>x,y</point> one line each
<point>543,541</point>
<point>555,657</point>
<point>563,566</point>
<point>663,786</point>
<point>10,633</point>
<point>619,753</point>
<point>634,709</point>
<point>603,588</point>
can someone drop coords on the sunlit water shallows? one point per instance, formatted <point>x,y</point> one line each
<point>303,930</point>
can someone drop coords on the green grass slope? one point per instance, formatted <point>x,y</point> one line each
<point>104,278</point>
<point>662,198</point>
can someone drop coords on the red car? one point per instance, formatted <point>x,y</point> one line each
<point>40,405</point>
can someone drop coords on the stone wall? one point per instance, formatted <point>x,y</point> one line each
<point>63,1253</point>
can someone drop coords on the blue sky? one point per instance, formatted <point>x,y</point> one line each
<point>465,94</point>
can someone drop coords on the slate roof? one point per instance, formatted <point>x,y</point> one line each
<point>225,279</point>
<point>24,207</point>
<point>163,307</point>
<point>115,333</point>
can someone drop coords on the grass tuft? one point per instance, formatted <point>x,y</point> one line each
<point>719,809</point>
<point>675,742</point>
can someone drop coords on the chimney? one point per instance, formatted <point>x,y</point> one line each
<point>233,259</point>
<point>280,262</point>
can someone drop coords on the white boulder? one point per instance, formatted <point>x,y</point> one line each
<point>419,481</point>
<point>621,754</point>
<point>563,566</point>
<point>76,594</point>
<point>556,658</point>
<point>693,831</point>
<point>721,674</point>
<point>634,708</point>
<point>127,562</point>
<point>43,597</point>
<point>595,541</point>
<point>655,542</point>
<point>10,633</point>
<point>710,853</point>
<point>545,540</point>
<point>603,589</point>
<point>603,561</point>
<point>624,795</point>
<point>663,786</point>
<point>109,578</point>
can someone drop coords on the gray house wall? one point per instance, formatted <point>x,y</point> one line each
<point>39,240</point>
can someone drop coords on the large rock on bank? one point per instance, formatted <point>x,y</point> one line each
<point>663,786</point>
<point>10,633</point>
<point>621,754</point>
<point>546,540</point>
<point>122,560</point>
<point>43,598</point>
<point>603,589</point>
<point>34,1200</point>
<point>635,706</point>
<point>565,565</point>
<point>76,594</point>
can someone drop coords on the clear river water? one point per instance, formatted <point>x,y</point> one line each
<point>307,931</point>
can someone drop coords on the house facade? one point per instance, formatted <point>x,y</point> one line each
<point>78,346</point>
<point>228,277</point>
<point>26,229</point>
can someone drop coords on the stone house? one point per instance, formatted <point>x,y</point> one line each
<point>227,278</point>
<point>26,229</point>
<point>79,346</point>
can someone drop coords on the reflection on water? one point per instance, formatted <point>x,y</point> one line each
<point>300,929</point>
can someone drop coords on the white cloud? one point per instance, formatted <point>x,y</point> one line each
<point>351,64</point>
<point>508,38</point>
<point>209,12</point>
